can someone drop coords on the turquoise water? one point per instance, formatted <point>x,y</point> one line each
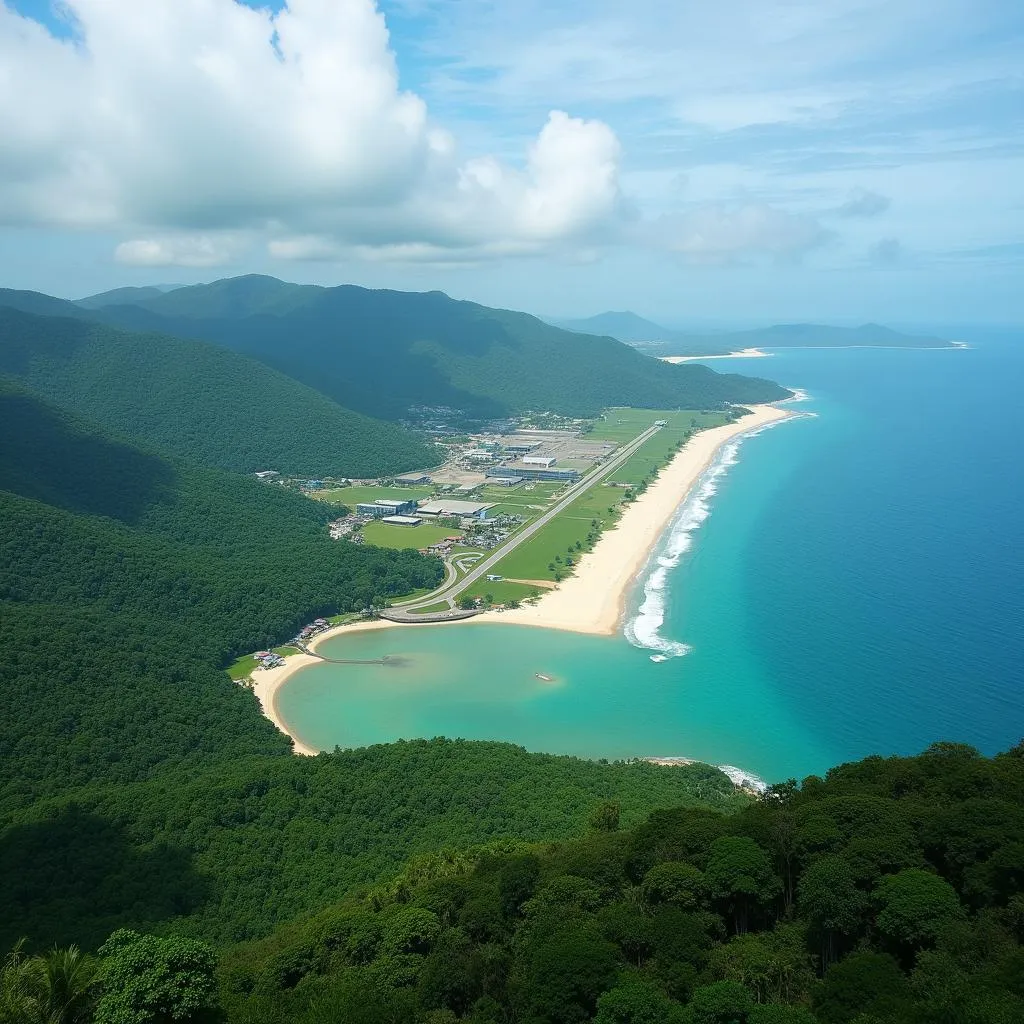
<point>846,583</point>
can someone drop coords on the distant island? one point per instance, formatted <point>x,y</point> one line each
<point>663,341</point>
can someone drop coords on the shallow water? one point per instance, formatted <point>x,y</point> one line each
<point>839,585</point>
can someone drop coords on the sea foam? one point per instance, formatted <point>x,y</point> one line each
<point>644,629</point>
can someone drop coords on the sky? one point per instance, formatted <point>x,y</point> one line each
<point>735,162</point>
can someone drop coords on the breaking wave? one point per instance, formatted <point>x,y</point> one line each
<point>644,629</point>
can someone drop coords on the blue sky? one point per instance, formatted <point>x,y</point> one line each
<point>735,162</point>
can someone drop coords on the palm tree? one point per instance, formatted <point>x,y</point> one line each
<point>53,988</point>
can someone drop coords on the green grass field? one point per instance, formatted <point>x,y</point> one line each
<point>659,449</point>
<point>623,425</point>
<point>502,591</point>
<point>386,535</point>
<point>352,495</point>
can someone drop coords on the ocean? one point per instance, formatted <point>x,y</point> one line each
<point>847,583</point>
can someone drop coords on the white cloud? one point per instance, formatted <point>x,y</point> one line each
<point>179,251</point>
<point>205,119</point>
<point>717,233</point>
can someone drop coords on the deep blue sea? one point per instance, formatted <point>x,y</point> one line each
<point>847,583</point>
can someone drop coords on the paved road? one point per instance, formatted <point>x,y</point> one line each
<point>449,589</point>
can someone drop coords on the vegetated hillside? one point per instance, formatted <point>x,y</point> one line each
<point>625,326</point>
<point>888,892</point>
<point>127,580</point>
<point>121,296</point>
<point>382,352</point>
<point>140,784</point>
<point>197,400</point>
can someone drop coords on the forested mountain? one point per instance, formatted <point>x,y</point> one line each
<point>888,892</point>
<point>121,296</point>
<point>195,399</point>
<point>127,580</point>
<point>382,352</point>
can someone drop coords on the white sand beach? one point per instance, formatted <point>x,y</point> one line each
<point>268,682</point>
<point>747,353</point>
<point>592,599</point>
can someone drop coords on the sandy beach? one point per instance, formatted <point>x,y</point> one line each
<point>747,353</point>
<point>592,600</point>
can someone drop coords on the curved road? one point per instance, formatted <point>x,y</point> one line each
<point>450,588</point>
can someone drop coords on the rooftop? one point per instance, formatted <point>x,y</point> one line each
<point>455,507</point>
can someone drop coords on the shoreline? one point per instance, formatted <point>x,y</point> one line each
<point>757,353</point>
<point>592,600</point>
<point>746,353</point>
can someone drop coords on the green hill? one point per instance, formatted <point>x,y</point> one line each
<point>126,580</point>
<point>120,296</point>
<point>384,352</point>
<point>194,399</point>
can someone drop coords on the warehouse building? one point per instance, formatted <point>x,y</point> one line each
<point>402,520</point>
<point>544,461</point>
<point>411,479</point>
<point>453,507</point>
<point>385,507</point>
<point>525,472</point>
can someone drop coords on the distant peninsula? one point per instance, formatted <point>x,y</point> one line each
<point>663,341</point>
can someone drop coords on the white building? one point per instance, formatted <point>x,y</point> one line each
<point>543,461</point>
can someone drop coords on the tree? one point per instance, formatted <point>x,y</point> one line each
<point>637,1002</point>
<point>677,883</point>
<point>832,903</point>
<point>153,980</point>
<point>466,602</point>
<point>512,603</point>
<point>913,907</point>
<point>605,817</point>
<point>870,983</point>
<point>740,877</point>
<point>560,976</point>
<point>772,966</point>
<point>55,988</point>
<point>724,1002</point>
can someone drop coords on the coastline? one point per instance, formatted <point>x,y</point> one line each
<point>592,600</point>
<point>746,353</point>
<point>267,682</point>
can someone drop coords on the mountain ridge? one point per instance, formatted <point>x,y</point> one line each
<point>384,352</point>
<point>649,336</point>
<point>195,399</point>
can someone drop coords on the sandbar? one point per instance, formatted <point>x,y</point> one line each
<point>746,353</point>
